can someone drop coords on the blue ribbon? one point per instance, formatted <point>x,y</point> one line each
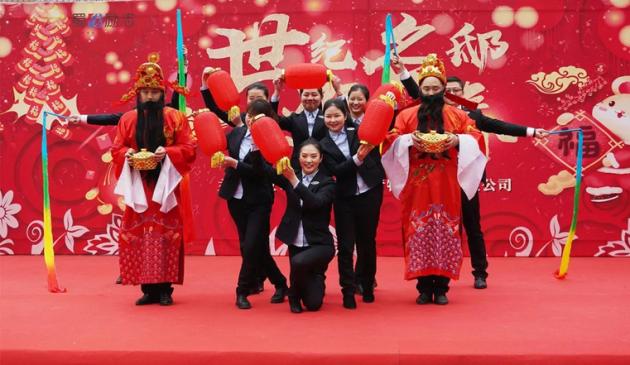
<point>389,38</point>
<point>566,252</point>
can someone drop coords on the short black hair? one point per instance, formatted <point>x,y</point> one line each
<point>319,90</point>
<point>455,79</point>
<point>360,87</point>
<point>311,142</point>
<point>260,106</point>
<point>339,103</point>
<point>258,86</point>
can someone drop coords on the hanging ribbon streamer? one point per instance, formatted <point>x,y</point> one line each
<point>390,42</point>
<point>389,38</point>
<point>49,252</point>
<point>181,62</point>
<point>566,252</point>
<point>186,200</point>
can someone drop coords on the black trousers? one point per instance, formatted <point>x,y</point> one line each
<point>252,223</point>
<point>433,284</point>
<point>156,289</point>
<point>308,273</point>
<point>471,218</point>
<point>356,221</point>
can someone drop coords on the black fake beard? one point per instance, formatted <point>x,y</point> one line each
<point>430,113</point>
<point>430,118</point>
<point>150,129</point>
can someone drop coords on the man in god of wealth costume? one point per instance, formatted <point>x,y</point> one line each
<point>432,151</point>
<point>153,149</point>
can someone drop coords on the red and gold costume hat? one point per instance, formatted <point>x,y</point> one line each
<point>149,75</point>
<point>432,66</point>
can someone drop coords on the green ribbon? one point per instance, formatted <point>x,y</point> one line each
<point>181,62</point>
<point>566,252</point>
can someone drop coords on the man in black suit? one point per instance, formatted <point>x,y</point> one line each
<point>471,215</point>
<point>248,189</point>
<point>309,123</point>
<point>304,228</point>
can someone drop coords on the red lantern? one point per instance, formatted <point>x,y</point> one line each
<point>210,136</point>
<point>375,124</point>
<point>396,88</point>
<point>306,76</point>
<point>224,92</point>
<point>271,142</point>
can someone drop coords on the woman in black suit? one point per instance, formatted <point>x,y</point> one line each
<point>304,227</point>
<point>359,177</point>
<point>248,189</point>
<point>309,123</point>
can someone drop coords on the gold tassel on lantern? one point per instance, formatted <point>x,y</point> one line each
<point>234,112</point>
<point>282,165</point>
<point>330,76</point>
<point>217,160</point>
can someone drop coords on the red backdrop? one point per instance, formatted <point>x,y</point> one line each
<point>551,64</point>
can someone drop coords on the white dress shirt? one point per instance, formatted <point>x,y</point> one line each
<point>310,120</point>
<point>246,146</point>
<point>341,140</point>
<point>300,238</point>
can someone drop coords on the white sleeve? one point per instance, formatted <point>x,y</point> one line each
<point>404,75</point>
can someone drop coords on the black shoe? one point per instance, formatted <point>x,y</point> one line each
<point>278,296</point>
<point>242,302</point>
<point>119,280</point>
<point>166,298</point>
<point>295,305</point>
<point>441,299</point>
<point>147,299</point>
<point>480,283</point>
<point>423,298</point>
<point>349,302</point>
<point>368,297</point>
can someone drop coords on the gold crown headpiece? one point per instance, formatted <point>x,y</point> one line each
<point>432,66</point>
<point>149,75</point>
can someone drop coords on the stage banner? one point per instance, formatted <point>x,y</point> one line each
<point>554,64</point>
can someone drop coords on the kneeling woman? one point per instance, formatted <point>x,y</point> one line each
<point>304,227</point>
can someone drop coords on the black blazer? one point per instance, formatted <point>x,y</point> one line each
<point>483,123</point>
<point>112,119</point>
<point>345,171</point>
<point>491,125</point>
<point>297,125</point>
<point>104,119</point>
<point>208,100</point>
<point>412,87</point>
<point>314,213</point>
<point>253,172</point>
